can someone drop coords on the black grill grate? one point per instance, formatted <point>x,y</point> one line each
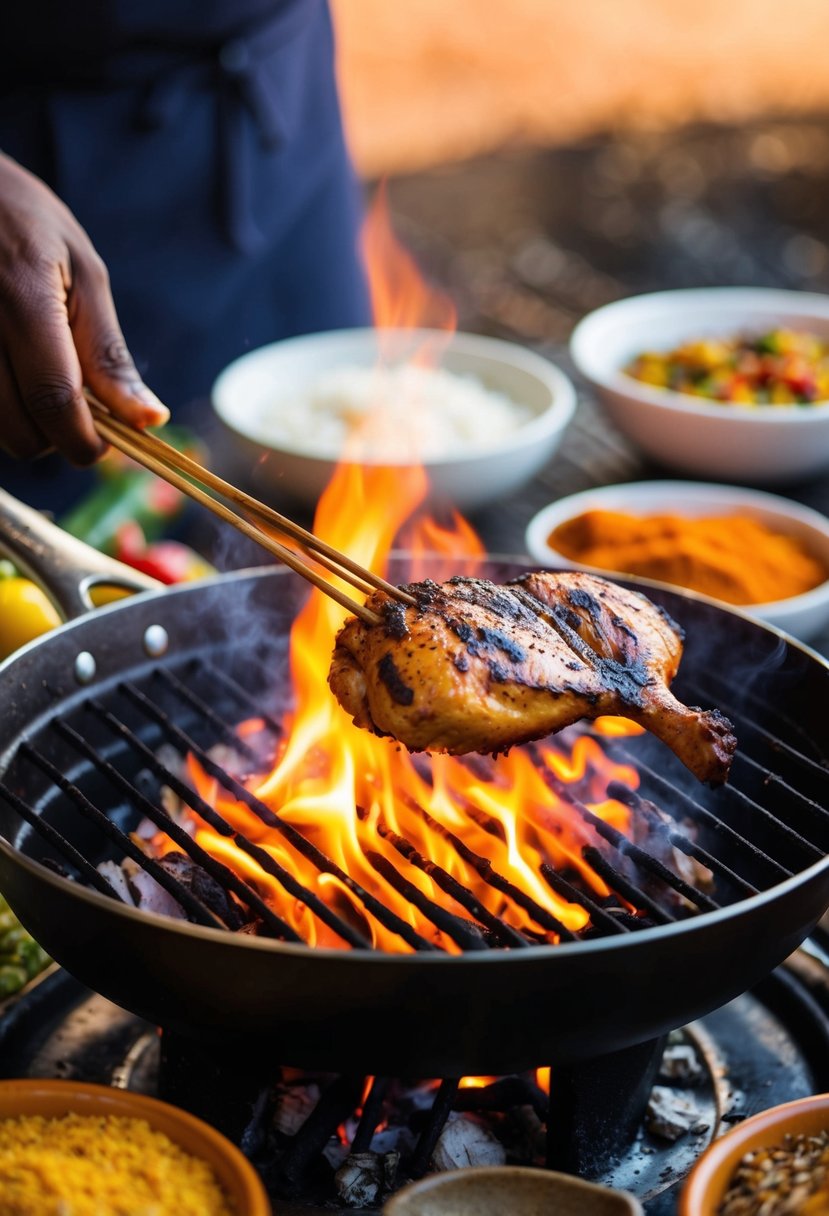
<point>765,825</point>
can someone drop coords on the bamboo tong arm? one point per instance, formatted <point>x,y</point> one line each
<point>191,478</point>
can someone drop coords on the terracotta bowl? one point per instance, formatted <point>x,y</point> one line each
<point>709,1178</point>
<point>498,1190</point>
<point>52,1099</point>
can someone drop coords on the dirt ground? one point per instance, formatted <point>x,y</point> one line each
<point>430,81</point>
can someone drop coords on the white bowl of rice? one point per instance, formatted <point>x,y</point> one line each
<point>482,415</point>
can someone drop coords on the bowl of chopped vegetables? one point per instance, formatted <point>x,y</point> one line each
<point>67,1146</point>
<point>723,382</point>
<point>774,1164</point>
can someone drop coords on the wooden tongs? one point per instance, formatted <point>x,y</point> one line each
<point>198,483</point>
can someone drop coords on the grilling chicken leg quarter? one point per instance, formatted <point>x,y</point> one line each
<point>476,666</point>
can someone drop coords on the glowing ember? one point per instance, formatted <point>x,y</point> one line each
<point>368,804</point>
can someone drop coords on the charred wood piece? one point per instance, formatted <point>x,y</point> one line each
<point>670,1115</point>
<point>503,1094</point>
<point>430,1135</point>
<point>364,1177</point>
<point>465,1142</point>
<point>372,1113</point>
<point>204,887</point>
<point>337,1102</point>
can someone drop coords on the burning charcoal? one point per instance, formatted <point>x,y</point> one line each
<point>252,927</point>
<point>171,803</point>
<point>464,1142</point>
<point>394,1141</point>
<point>146,830</point>
<point>649,827</point>
<point>293,1105</point>
<point>148,895</point>
<point>173,760</point>
<point>524,1135</point>
<point>335,1153</point>
<point>229,759</point>
<point>681,1065</point>
<point>669,1114</point>
<point>203,886</point>
<point>360,1180</point>
<point>117,879</point>
<point>390,1163</point>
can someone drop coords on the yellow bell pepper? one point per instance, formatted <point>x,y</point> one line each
<point>25,613</point>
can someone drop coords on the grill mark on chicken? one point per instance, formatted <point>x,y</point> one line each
<point>482,640</point>
<point>394,615</point>
<point>394,682</point>
<point>538,654</point>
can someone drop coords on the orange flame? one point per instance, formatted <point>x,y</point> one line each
<point>357,797</point>
<point>400,297</point>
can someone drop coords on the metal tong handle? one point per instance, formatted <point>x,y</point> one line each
<point>63,566</point>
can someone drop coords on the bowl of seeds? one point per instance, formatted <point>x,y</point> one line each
<point>774,1164</point>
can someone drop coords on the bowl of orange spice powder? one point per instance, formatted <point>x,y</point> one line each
<point>70,1149</point>
<point>760,553</point>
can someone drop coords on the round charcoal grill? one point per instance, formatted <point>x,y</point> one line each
<point>79,768</point>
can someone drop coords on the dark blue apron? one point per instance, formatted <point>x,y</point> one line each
<point>199,143</point>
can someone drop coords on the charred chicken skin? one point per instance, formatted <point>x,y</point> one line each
<point>476,666</point>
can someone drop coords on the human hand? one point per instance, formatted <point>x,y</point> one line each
<point>58,330</point>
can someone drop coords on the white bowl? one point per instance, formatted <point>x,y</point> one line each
<point>758,443</point>
<point>469,479</point>
<point>801,615</point>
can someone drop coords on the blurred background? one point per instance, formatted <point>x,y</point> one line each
<point>546,157</point>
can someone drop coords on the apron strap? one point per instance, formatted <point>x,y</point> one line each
<point>239,72</point>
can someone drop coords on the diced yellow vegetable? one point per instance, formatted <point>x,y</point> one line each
<point>25,613</point>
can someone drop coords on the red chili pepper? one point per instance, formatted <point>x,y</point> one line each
<point>167,560</point>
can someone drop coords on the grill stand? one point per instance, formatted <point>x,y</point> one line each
<point>595,1109</point>
<point>225,1089</point>
<point>597,1106</point>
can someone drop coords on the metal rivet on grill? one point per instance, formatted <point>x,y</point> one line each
<point>156,641</point>
<point>85,667</point>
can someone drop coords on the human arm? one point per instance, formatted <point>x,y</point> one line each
<point>58,329</point>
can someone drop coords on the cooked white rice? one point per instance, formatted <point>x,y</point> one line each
<point>402,413</point>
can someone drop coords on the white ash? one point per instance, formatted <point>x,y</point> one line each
<point>117,879</point>
<point>648,830</point>
<point>359,1180</point>
<point>670,1115</point>
<point>364,1177</point>
<point>400,1140</point>
<point>335,1153</point>
<point>228,758</point>
<point>172,759</point>
<point>140,889</point>
<point>680,1064</point>
<point>523,1135</point>
<point>465,1142</point>
<point>293,1105</point>
<point>144,832</point>
<point>171,803</point>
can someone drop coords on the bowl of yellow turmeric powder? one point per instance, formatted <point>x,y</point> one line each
<point>728,383</point>
<point>754,551</point>
<point>93,1151</point>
